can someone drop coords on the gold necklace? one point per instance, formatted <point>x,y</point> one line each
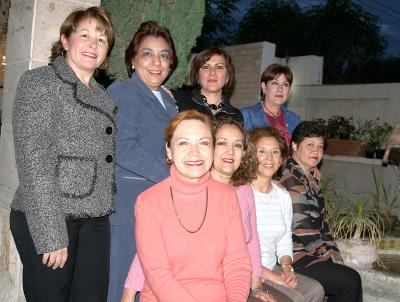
<point>179,219</point>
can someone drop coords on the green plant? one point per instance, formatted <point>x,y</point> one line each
<point>332,201</point>
<point>360,222</point>
<point>183,18</point>
<point>379,134</point>
<point>340,127</point>
<point>385,201</point>
<point>363,129</point>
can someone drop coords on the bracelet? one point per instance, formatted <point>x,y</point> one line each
<point>287,266</point>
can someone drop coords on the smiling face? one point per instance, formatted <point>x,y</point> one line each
<point>191,149</point>
<point>309,152</point>
<point>269,157</point>
<point>152,62</point>
<point>86,48</point>
<point>276,91</point>
<point>228,152</point>
<point>213,74</point>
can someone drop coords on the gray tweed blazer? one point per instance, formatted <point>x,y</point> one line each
<point>64,137</point>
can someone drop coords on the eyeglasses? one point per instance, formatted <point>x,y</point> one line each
<point>262,153</point>
<point>148,54</point>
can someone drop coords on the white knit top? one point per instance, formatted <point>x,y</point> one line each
<point>274,221</point>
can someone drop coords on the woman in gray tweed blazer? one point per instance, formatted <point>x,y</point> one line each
<point>64,134</point>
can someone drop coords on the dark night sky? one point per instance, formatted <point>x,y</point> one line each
<point>388,12</point>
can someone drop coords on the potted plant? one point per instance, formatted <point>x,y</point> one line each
<point>340,132</point>
<point>340,127</point>
<point>379,135</point>
<point>373,135</point>
<point>359,232</point>
<point>363,134</point>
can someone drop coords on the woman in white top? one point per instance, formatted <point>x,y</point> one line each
<point>274,219</point>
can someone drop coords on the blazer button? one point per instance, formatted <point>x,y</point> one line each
<point>109,130</point>
<point>109,158</point>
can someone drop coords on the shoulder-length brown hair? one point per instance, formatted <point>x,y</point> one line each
<point>149,28</point>
<point>97,13</point>
<point>200,59</point>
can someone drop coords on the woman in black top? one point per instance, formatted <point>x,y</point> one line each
<point>211,74</point>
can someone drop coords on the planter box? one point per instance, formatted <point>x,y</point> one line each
<point>343,147</point>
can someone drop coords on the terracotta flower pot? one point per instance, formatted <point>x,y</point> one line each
<point>347,147</point>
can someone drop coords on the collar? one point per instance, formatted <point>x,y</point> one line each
<point>294,168</point>
<point>169,103</point>
<point>65,72</point>
<point>181,185</point>
<point>226,107</point>
<point>260,107</point>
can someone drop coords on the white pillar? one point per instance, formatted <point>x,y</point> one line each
<point>33,26</point>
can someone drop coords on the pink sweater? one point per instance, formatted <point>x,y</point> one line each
<point>247,205</point>
<point>210,265</point>
<point>135,279</point>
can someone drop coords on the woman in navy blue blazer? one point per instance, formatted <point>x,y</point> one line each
<point>144,110</point>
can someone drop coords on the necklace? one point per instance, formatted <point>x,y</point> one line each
<point>275,116</point>
<point>266,197</point>
<point>212,106</point>
<point>179,219</point>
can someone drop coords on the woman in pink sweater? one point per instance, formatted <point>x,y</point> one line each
<point>189,232</point>
<point>234,163</point>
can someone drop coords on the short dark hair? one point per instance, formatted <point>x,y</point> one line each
<point>273,71</point>
<point>307,129</point>
<point>149,28</point>
<point>71,22</point>
<point>200,59</point>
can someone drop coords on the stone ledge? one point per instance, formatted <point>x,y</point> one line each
<point>353,159</point>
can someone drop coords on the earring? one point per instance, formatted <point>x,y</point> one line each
<point>169,161</point>
<point>63,52</point>
<point>133,67</point>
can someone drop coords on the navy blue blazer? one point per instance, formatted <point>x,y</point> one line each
<point>140,146</point>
